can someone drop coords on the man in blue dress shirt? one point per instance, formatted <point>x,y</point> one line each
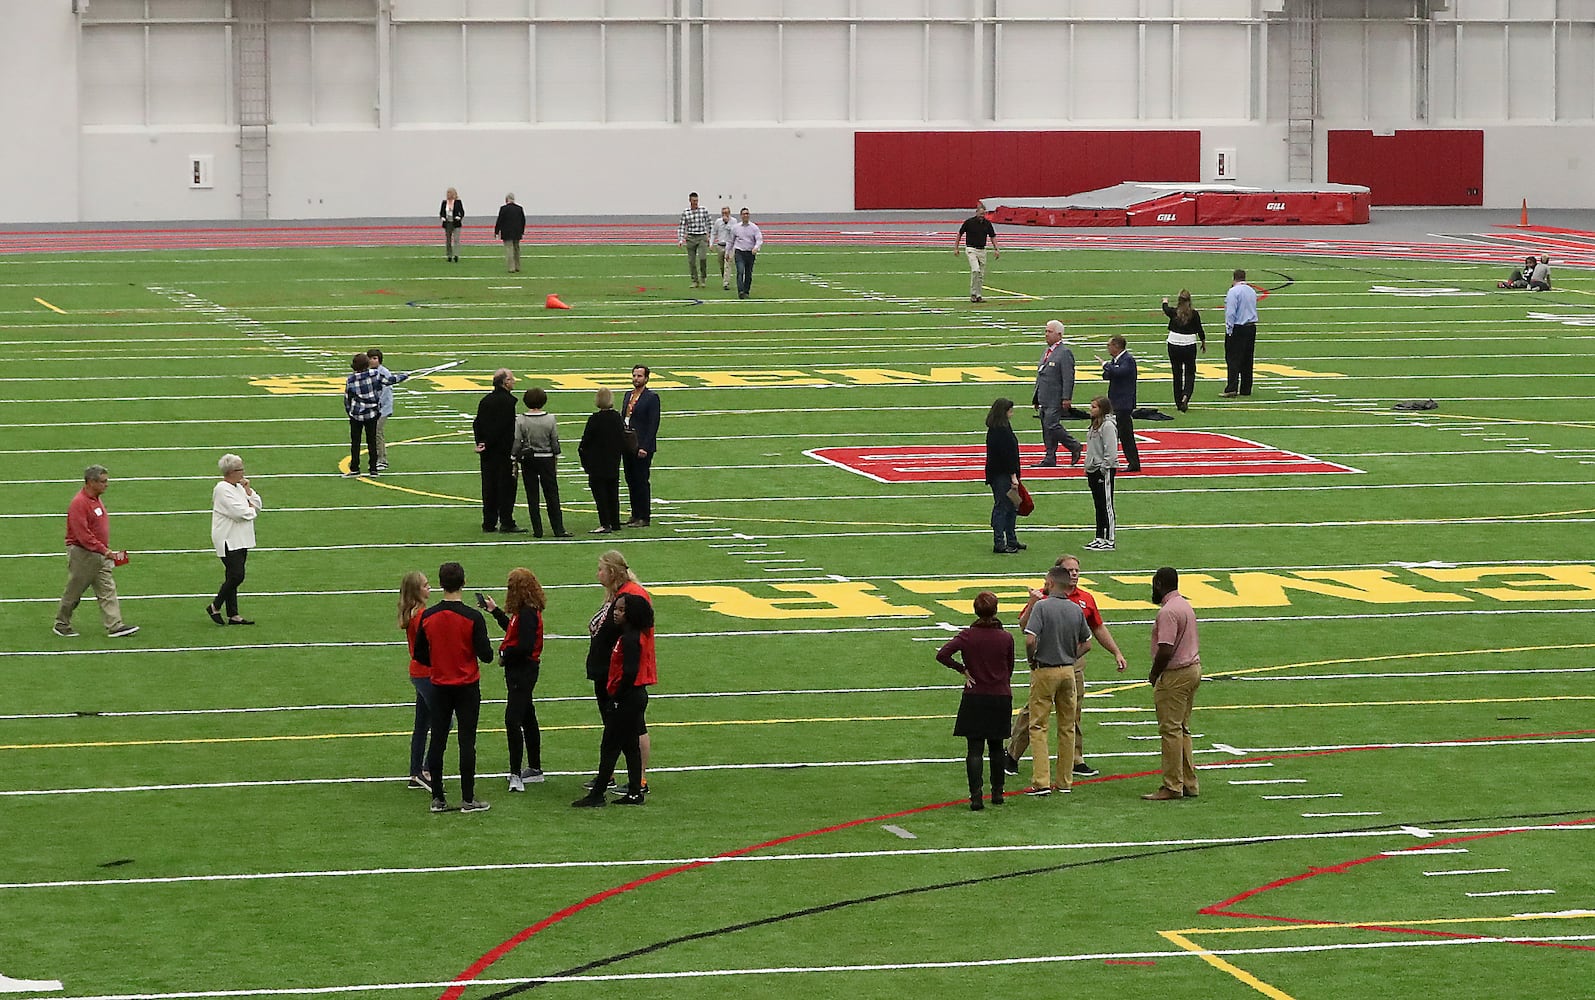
<point>1240,336</point>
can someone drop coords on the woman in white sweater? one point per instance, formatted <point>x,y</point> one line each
<point>234,507</point>
<point>1101,463</point>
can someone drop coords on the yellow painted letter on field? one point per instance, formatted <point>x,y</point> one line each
<point>1012,592</point>
<point>1523,583</point>
<point>817,600</point>
<point>744,379</point>
<point>893,376</point>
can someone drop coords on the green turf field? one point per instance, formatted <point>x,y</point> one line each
<point>1398,655</point>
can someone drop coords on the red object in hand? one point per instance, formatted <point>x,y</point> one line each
<point>119,557</point>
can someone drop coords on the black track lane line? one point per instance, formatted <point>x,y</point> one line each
<point>809,911</point>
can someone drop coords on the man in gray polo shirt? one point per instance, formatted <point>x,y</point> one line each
<point>1055,636</point>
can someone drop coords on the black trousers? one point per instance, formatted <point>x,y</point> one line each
<point>233,564</point>
<point>520,718</point>
<point>623,728</point>
<point>1126,422</point>
<point>1101,484</point>
<point>1183,362</point>
<point>461,703</point>
<point>638,487</point>
<point>542,472</point>
<point>606,496</point>
<point>498,490</point>
<point>1240,347</point>
<point>356,427</point>
<point>993,751</point>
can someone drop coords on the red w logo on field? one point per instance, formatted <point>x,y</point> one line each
<point>1163,453</point>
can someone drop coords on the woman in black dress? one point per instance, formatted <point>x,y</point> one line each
<point>1185,332</point>
<point>1002,475</point>
<point>603,442</point>
<point>985,713</point>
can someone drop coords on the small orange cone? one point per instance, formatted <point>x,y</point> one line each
<point>554,303</point>
<point>1523,220</point>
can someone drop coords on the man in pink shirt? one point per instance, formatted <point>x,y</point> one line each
<point>89,559</point>
<point>1176,672</point>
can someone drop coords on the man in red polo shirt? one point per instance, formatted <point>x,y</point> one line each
<point>89,559</point>
<point>1019,741</point>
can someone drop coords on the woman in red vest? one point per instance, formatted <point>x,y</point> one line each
<point>632,668</point>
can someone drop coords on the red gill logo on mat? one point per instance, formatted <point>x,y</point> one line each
<point>1163,453</point>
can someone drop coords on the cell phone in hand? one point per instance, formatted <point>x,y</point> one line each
<point>481,601</point>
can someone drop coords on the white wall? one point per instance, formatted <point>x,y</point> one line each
<point>580,113</point>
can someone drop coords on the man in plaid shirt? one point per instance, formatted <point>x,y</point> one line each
<point>692,232</point>
<point>362,400</point>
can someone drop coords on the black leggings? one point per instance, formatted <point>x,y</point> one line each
<point>233,563</point>
<point>450,702</point>
<point>520,718</point>
<point>623,729</point>
<point>972,762</point>
<point>1182,359</point>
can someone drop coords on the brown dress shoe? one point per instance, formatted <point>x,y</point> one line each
<point>1162,795</point>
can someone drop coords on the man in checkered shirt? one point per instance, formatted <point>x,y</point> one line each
<point>362,400</point>
<point>692,232</point>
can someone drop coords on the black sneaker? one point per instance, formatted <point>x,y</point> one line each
<point>591,800</point>
<point>1010,763</point>
<point>631,799</point>
<point>438,806</point>
<point>1085,770</point>
<point>590,782</point>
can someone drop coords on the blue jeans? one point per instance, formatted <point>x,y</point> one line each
<point>423,723</point>
<point>1004,515</point>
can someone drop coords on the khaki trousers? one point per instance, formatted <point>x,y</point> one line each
<point>1019,738</point>
<point>697,257</point>
<point>1172,698</point>
<point>379,443</point>
<point>728,266</point>
<point>977,269</point>
<point>512,255</point>
<point>85,569</point>
<point>1051,689</point>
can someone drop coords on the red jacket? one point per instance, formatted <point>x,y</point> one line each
<point>632,663</point>
<point>410,631</point>
<point>87,525</point>
<point>451,640</point>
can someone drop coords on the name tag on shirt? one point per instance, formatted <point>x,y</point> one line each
<point>99,512</point>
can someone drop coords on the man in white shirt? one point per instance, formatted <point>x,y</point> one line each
<point>746,242</point>
<point>720,236</point>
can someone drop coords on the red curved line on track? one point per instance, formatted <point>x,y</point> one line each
<point>487,960</point>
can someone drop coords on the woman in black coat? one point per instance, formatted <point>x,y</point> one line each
<point>603,442</point>
<point>452,214</point>
<point>1002,475</point>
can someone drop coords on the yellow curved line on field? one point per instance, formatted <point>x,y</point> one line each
<point>1341,661</point>
<point>1218,963</point>
<point>343,467</point>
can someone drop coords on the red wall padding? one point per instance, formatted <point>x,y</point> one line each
<point>956,169</point>
<point>1280,208</point>
<point>1414,167</point>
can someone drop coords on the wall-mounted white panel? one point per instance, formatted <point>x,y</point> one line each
<point>40,166</point>
<point>428,77</point>
<point>188,70</point>
<point>144,176</point>
<point>1214,73</point>
<point>498,73</point>
<point>343,8</point>
<point>1106,72</point>
<point>951,91</point>
<point>1276,76</point>
<point>819,8</point>
<point>1575,72</point>
<point>891,73</point>
<point>1481,75</point>
<point>1391,72</point>
<point>346,74</point>
<point>742,8</point>
<point>114,10</point>
<point>1443,73</point>
<point>638,8</point>
<point>637,70</point>
<point>569,68</point>
<point>288,48</point>
<point>950,8</point>
<point>1481,10</point>
<point>741,75</point>
<point>290,10</point>
<point>1531,67</point>
<point>1157,82</point>
<point>177,9</point>
<point>1109,9</point>
<point>1342,70</point>
<point>1032,73</point>
<point>428,10</point>
<point>814,73</point>
<point>112,78</point>
<point>1542,10</point>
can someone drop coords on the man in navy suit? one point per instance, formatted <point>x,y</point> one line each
<point>1120,372</point>
<point>640,410</point>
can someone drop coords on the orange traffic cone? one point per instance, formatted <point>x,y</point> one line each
<point>554,303</point>
<point>1523,220</point>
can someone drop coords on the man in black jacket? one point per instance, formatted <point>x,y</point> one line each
<point>510,227</point>
<point>641,413</point>
<point>494,429</point>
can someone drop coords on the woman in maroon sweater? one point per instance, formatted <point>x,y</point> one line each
<point>986,712</point>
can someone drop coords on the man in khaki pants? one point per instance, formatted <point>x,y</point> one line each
<point>89,559</point>
<point>1055,637</point>
<point>1176,672</point>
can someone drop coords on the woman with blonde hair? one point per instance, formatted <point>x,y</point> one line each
<point>452,213</point>
<point>233,509</point>
<point>604,630</point>
<point>521,655</point>
<point>603,443</point>
<point>1101,463</point>
<point>1185,332</point>
<point>413,593</point>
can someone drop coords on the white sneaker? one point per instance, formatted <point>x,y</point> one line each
<point>124,631</point>
<point>516,785</point>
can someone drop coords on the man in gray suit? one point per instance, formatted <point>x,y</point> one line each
<point>1054,396</point>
